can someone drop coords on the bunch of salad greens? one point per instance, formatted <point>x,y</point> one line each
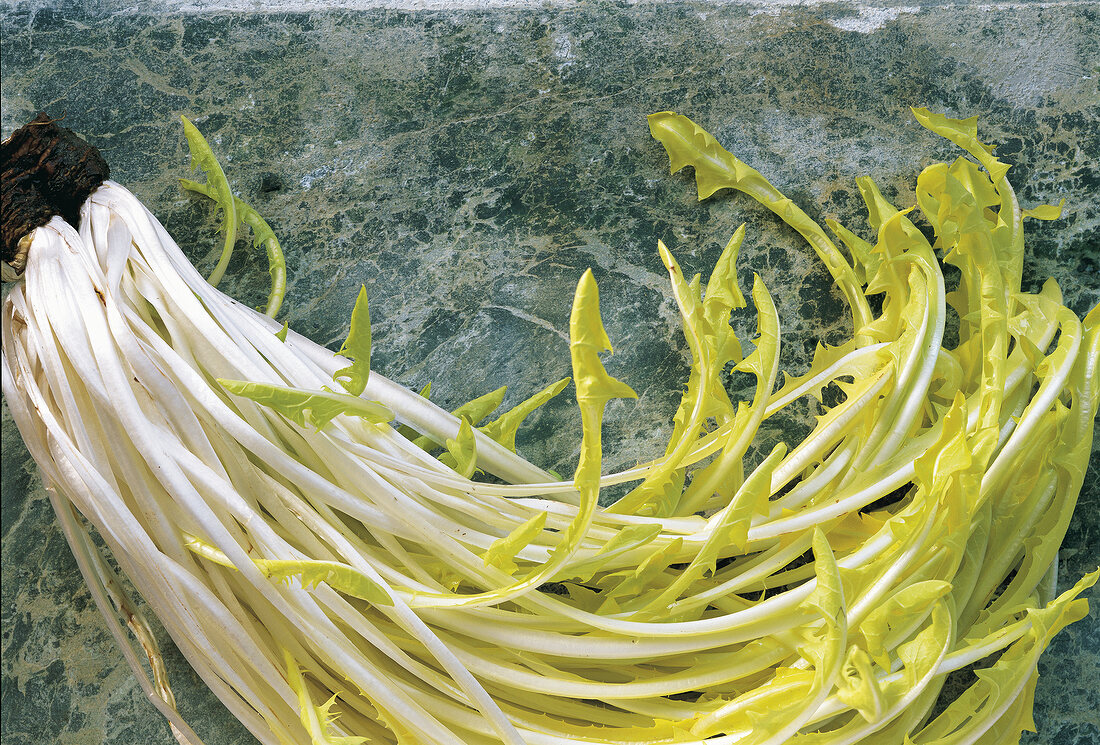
<point>320,545</point>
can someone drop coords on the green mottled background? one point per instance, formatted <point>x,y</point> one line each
<point>466,161</point>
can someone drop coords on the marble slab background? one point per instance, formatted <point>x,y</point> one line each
<point>466,161</point>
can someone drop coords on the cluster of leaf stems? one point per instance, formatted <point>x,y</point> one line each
<point>333,581</point>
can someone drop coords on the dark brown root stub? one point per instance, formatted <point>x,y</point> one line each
<point>45,170</point>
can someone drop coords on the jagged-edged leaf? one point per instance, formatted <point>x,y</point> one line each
<point>627,539</point>
<point>758,715</point>
<point>308,407</point>
<point>715,168</point>
<point>472,411</point>
<point>829,364</point>
<point>318,720</point>
<point>898,610</point>
<point>763,359</point>
<point>463,450</point>
<point>482,406</point>
<point>1046,211</point>
<point>763,362</point>
<point>688,144</point>
<point>206,550</point>
<point>950,453</point>
<point>859,687</point>
<point>356,348</point>
<point>723,294</point>
<point>879,209</point>
<point>202,157</point>
<point>340,577</point>
<point>502,553</point>
<point>587,338</point>
<point>864,262</point>
<point>262,237</point>
<point>503,429</point>
<point>595,387</point>
<point>649,571</point>
<point>964,133</point>
<point>732,530</point>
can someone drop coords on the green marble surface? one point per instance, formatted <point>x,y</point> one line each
<point>466,162</point>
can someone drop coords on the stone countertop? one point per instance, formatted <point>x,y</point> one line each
<point>467,161</point>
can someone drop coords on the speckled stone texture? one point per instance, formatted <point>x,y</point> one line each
<point>467,163</point>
